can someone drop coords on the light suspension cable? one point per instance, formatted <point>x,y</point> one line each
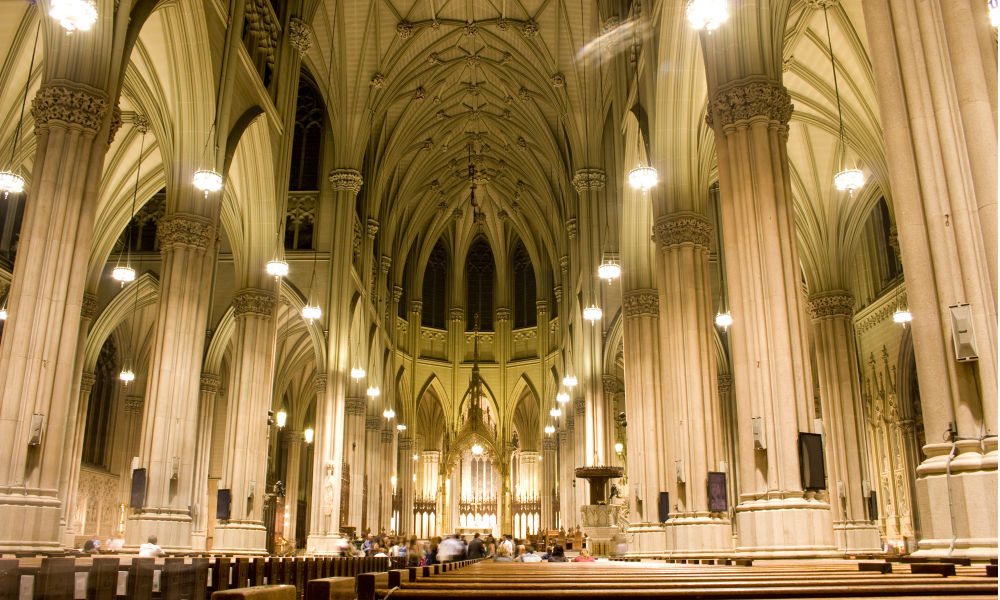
<point>846,180</point>
<point>10,181</point>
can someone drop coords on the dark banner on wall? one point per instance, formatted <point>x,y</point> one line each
<point>717,492</point>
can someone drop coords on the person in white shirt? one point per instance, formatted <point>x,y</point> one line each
<point>150,549</point>
<point>509,544</point>
<point>529,556</point>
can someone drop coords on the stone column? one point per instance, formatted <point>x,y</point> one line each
<point>75,452</point>
<point>568,510</point>
<point>843,423</point>
<point>547,487</point>
<point>170,422</point>
<point>39,346</point>
<point>430,461</point>
<point>768,338</point>
<point>128,430</point>
<point>245,456</point>
<point>354,451</point>
<point>373,473</point>
<point>203,453</point>
<point>387,454</point>
<point>936,79</point>
<point>406,485</point>
<point>688,377</point>
<point>527,475</point>
<point>293,439</point>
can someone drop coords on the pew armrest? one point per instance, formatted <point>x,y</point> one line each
<point>331,588</point>
<point>260,592</point>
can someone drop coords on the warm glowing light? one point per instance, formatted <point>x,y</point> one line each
<point>207,180</point>
<point>902,316</point>
<point>642,178</point>
<point>414,457</point>
<point>849,180</point>
<point>723,320</point>
<point>619,447</point>
<point>477,449</point>
<point>373,392</point>
<point>389,413</point>
<point>549,429</point>
<point>400,427</point>
<point>281,418</point>
<point>277,268</point>
<point>609,270</point>
<point>126,376</point>
<point>562,397</point>
<point>994,13</point>
<point>3,314</point>
<point>11,183</point>
<point>393,480</point>
<point>308,435</point>
<point>593,313</point>
<point>569,381</point>
<point>311,313</point>
<point>707,14</point>
<point>74,15</point>
<point>357,373</point>
<point>124,274</point>
<point>555,412</point>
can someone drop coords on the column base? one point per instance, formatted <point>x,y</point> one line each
<point>171,527</point>
<point>199,541</point>
<point>29,522</point>
<point>788,527</point>
<point>240,537</point>
<point>699,535</point>
<point>646,540</point>
<point>857,537</point>
<point>958,512</point>
<point>330,544</point>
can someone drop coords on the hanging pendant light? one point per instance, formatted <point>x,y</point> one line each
<point>127,376</point>
<point>10,181</point>
<point>569,381</point>
<point>994,6</point>
<point>477,450</point>
<point>308,435</point>
<point>562,397</point>
<point>643,178</point>
<point>549,430</point>
<point>389,413</point>
<point>207,180</point>
<point>124,273</point>
<point>619,447</point>
<point>849,180</point>
<point>357,373</point>
<point>74,15</point>
<point>609,270</point>
<point>277,268</point>
<point>373,392</point>
<point>281,418</point>
<point>902,316</point>
<point>311,313</point>
<point>555,413</point>
<point>707,15</point>
<point>846,180</point>
<point>3,312</point>
<point>723,320</point>
<point>593,313</point>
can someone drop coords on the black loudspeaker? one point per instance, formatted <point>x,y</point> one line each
<point>137,499</point>
<point>717,492</point>
<point>664,506</point>
<point>223,505</point>
<point>873,506</point>
<point>811,468</point>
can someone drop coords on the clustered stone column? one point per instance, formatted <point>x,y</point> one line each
<point>203,453</point>
<point>355,444</point>
<point>72,469</point>
<point>41,334</point>
<point>387,454</point>
<point>768,339</point>
<point>373,473</point>
<point>568,508</point>
<point>293,439</point>
<point>690,420</point>
<point>547,486</point>
<point>406,486</point>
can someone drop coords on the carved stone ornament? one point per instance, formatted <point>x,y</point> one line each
<point>69,104</point>
<point>210,383</point>
<point>416,306</point>
<point>88,308</point>
<point>404,30</point>
<point>133,404</point>
<point>141,123</point>
<point>611,385</point>
<point>456,313</point>
<point>348,180</point>
<point>251,301</point>
<point>524,94</point>
<point>820,4</point>
<point>319,383</point>
<point>640,303</point>
<point>372,228</point>
<point>503,314</point>
<point>725,383</point>
<point>580,406</point>
<point>542,307</point>
<point>397,293</point>
<point>831,304</point>
<point>385,263</point>
<point>682,228</point>
<point>572,227</point>
<point>471,29</point>
<point>550,443</point>
<point>378,80</point>
<point>419,93</point>
<point>557,293</point>
<point>748,100</point>
<point>503,24</point>
<point>116,123</point>
<point>386,437</point>
<point>589,180</point>
<point>373,423</point>
<point>299,35</point>
<point>354,406</point>
<point>558,80</point>
<point>185,230</point>
<point>87,381</point>
<point>529,29</point>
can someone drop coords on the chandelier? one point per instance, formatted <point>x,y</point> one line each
<point>477,449</point>
<point>127,376</point>
<point>569,381</point>
<point>400,427</point>
<point>562,397</point>
<point>707,14</point>
<point>389,413</point>
<point>549,430</point>
<point>74,15</point>
<point>3,312</point>
<point>902,316</point>
<point>723,320</point>
<point>609,270</point>
<point>308,435</point>
<point>847,180</point>
<point>593,313</point>
<point>281,418</point>
<point>642,178</point>
<point>619,447</point>
<point>311,313</point>
<point>357,373</point>
<point>277,268</point>
<point>373,392</point>
<point>555,413</point>
<point>124,274</point>
<point>11,182</point>
<point>207,180</point>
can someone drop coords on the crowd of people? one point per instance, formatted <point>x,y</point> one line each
<point>439,550</point>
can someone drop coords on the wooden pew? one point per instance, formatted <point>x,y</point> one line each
<point>263,592</point>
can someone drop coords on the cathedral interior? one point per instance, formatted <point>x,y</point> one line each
<point>278,272</point>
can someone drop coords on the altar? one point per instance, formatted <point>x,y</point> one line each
<point>467,533</point>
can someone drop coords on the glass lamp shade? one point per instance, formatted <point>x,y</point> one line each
<point>74,15</point>
<point>562,397</point>
<point>619,447</point>
<point>477,449</point>
<point>593,313</point>
<point>707,15</point>
<point>373,392</point>
<point>569,381</point>
<point>277,268</point>
<point>308,435</point>
<point>549,430</point>
<point>11,183</point>
<point>281,418</point>
<point>400,427</point>
<point>311,313</point>
<point>207,180</point>
<point>126,376</point>
<point>555,412</point>
<point>609,270</point>
<point>642,178</point>
<point>3,314</point>
<point>723,320</point>
<point>123,274</point>
<point>357,373</point>
<point>389,413</point>
<point>849,180</point>
<point>902,316</point>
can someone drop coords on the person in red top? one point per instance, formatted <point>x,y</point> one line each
<point>584,556</point>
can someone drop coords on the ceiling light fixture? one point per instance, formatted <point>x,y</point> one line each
<point>389,413</point>
<point>724,320</point>
<point>373,392</point>
<point>10,181</point>
<point>74,15</point>
<point>555,413</point>
<point>593,313</point>
<point>847,180</point>
<point>309,435</point>
<point>549,430</point>
<point>569,381</point>
<point>562,397</point>
<point>357,373</point>
<point>477,449</point>
<point>277,268</point>
<point>643,178</point>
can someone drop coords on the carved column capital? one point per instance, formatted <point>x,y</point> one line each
<point>319,383</point>
<point>181,229</point>
<point>116,123</point>
<point>456,313</point>
<point>580,406</point>
<point>385,264</point>
<point>69,104</point>
<point>585,180</point>
<point>397,293</point>
<point>210,383</point>
<point>836,303</point>
<point>133,404</point>
<point>640,303</point>
<point>611,385</point>
<point>416,306</point>
<point>681,228</point>
<point>572,227</point>
<point>348,180</point>
<point>557,293</point>
<point>250,301</point>
<point>385,437</point>
<point>299,35</point>
<point>744,100</point>
<point>405,444</point>
<point>373,423</point>
<point>354,406</point>
<point>549,444</point>
<point>372,228</point>
<point>542,307</point>
<point>725,383</point>
<point>87,381</point>
<point>502,315</point>
<point>88,308</point>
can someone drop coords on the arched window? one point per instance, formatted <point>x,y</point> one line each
<point>100,416</point>
<point>525,312</point>
<point>480,272</point>
<point>435,291</point>
<point>307,145</point>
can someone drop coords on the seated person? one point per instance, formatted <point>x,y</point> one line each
<point>503,554</point>
<point>584,556</point>
<point>558,554</point>
<point>529,556</point>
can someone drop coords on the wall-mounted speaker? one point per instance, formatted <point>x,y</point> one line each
<point>223,504</point>
<point>811,468</point>
<point>137,499</point>
<point>664,506</point>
